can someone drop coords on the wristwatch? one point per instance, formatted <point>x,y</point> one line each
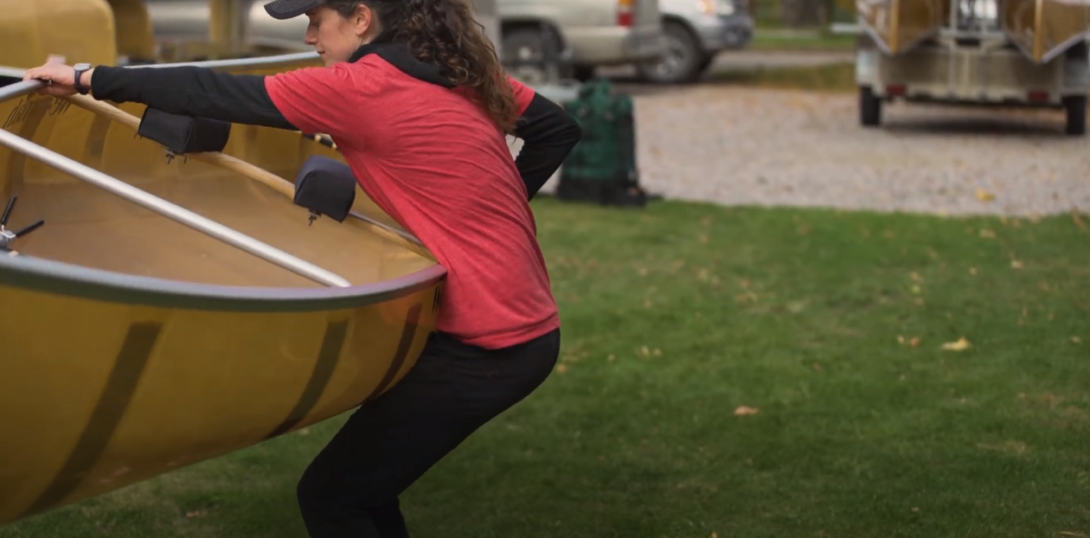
<point>80,70</point>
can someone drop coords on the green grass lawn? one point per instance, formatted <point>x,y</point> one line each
<point>837,78</point>
<point>830,324</point>
<point>769,39</point>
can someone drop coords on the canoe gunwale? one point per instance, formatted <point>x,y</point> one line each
<point>74,280</point>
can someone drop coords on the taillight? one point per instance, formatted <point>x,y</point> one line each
<point>895,90</point>
<point>625,13</point>
<point>1037,96</point>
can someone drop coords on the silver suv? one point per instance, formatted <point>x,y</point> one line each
<point>575,36</point>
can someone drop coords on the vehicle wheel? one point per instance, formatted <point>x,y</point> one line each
<point>1076,114</point>
<point>870,107</point>
<point>582,73</point>
<point>523,52</point>
<point>683,61</point>
<point>706,63</point>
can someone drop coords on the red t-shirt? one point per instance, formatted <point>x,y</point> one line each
<point>433,160</point>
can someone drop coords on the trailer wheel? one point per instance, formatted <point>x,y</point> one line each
<point>1076,114</point>
<point>870,107</point>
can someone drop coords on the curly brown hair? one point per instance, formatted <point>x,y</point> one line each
<point>444,32</point>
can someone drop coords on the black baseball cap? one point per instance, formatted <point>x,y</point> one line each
<point>286,9</point>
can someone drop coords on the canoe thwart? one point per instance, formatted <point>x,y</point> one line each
<point>325,186</point>
<point>7,236</point>
<point>183,135</point>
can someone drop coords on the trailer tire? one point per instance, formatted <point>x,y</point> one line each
<point>870,107</point>
<point>1076,115</point>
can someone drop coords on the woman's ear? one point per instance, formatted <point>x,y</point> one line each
<point>363,20</point>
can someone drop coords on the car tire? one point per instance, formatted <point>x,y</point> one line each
<point>1075,106</point>
<point>870,107</point>
<point>683,62</point>
<point>583,73</point>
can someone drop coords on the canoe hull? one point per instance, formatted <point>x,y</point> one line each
<point>899,25</point>
<point>1043,29</point>
<point>132,345</point>
<point>112,393</point>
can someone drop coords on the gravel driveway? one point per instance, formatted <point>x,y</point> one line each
<point>733,145</point>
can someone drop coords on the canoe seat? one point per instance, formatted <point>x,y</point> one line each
<point>325,186</point>
<point>183,135</point>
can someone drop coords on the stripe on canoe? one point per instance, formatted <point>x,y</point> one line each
<point>335,335</point>
<point>110,409</point>
<point>412,321</point>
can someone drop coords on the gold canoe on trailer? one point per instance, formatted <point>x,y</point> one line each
<point>1041,29</point>
<point>899,25</point>
<point>169,312</point>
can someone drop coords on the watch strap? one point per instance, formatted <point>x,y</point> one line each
<point>80,70</point>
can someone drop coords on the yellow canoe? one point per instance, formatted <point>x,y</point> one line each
<point>132,344</point>
<point>898,25</point>
<point>1043,29</point>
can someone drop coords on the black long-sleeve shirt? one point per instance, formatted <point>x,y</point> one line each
<point>548,133</point>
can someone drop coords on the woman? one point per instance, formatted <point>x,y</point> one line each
<point>415,99</point>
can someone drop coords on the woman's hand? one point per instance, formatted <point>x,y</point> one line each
<point>60,78</point>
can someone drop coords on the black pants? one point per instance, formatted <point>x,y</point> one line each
<point>351,488</point>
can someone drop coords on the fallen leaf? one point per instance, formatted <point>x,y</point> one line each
<point>817,367</point>
<point>194,514</point>
<point>1078,220</point>
<point>914,342</point>
<point>743,411</point>
<point>657,352</point>
<point>984,196</point>
<point>987,234</point>
<point>1076,340</point>
<point>961,345</point>
<point>611,357</point>
<point>916,277</point>
<point>1015,264</point>
<point>1072,533</point>
<point>972,271</point>
<point>561,368</point>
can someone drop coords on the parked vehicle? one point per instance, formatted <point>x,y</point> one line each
<point>1024,53</point>
<point>540,39</point>
<point>576,36</point>
<point>696,31</point>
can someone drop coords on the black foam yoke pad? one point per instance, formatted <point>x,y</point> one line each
<point>326,186</point>
<point>184,134</point>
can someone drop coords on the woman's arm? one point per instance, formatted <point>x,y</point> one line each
<point>188,90</point>
<point>548,135</point>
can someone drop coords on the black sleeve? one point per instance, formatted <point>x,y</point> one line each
<point>548,135</point>
<point>191,91</point>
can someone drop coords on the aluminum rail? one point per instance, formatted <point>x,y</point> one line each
<point>177,213</point>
